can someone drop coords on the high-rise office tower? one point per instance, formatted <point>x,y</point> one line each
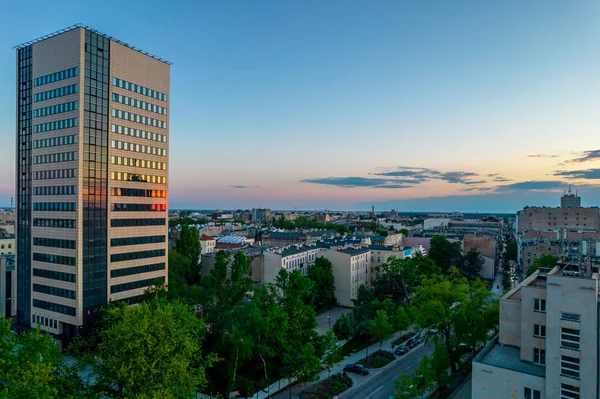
<point>92,156</point>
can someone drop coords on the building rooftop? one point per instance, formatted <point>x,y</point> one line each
<point>206,238</point>
<point>508,357</point>
<point>296,250</point>
<point>76,26</point>
<point>232,240</point>
<point>354,251</point>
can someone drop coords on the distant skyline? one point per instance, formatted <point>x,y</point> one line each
<point>462,105</point>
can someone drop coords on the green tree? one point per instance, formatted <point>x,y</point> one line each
<point>445,254</point>
<point>380,329</point>
<point>512,250</point>
<point>188,245</point>
<point>406,387</point>
<point>440,365</point>
<point>345,327</point>
<point>404,232</point>
<point>363,308</point>
<point>396,280</point>
<point>452,306</point>
<point>152,350</point>
<point>546,261</point>
<point>179,269</point>
<point>321,274</point>
<point>472,264</point>
<point>333,352</point>
<point>401,319</point>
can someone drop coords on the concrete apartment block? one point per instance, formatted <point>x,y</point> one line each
<point>350,269</point>
<point>548,341</point>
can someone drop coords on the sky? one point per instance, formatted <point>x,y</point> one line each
<point>432,105</point>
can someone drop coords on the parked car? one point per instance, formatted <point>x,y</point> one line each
<point>411,343</point>
<point>401,350</point>
<point>356,368</point>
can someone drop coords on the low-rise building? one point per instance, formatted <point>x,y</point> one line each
<point>351,268</point>
<point>488,247</point>
<point>207,244</point>
<point>287,238</point>
<point>290,258</point>
<point>548,341</point>
<point>8,286</point>
<point>257,263</point>
<point>7,245</point>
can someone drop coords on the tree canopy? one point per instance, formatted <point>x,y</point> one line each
<point>546,261</point>
<point>445,254</point>
<point>321,274</point>
<point>472,264</point>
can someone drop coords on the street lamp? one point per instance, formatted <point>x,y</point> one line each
<point>329,321</point>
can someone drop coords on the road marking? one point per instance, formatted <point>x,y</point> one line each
<point>372,393</point>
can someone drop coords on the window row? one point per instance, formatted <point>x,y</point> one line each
<point>52,275</point>
<point>136,284</point>
<point>146,149</point>
<point>139,207</point>
<point>145,120</point>
<point>139,89</point>
<point>120,242</point>
<point>124,176</point>
<point>55,291</point>
<point>569,338</point>
<point>54,307</point>
<point>55,206</point>
<point>129,131</point>
<point>44,321</point>
<point>56,76</point>
<point>54,174</point>
<point>138,163</point>
<point>54,242</point>
<point>55,141</point>
<point>56,125</point>
<point>55,93</point>
<point>129,271</point>
<point>56,259</point>
<point>139,104</point>
<point>137,222</point>
<point>54,158</point>
<point>138,192</point>
<point>570,317</point>
<point>55,109</point>
<point>55,190</point>
<point>58,223</point>
<point>569,391</point>
<point>569,366</point>
<point>151,253</point>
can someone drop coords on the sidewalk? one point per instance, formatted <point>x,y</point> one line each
<point>338,368</point>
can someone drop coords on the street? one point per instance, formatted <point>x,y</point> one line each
<point>380,384</point>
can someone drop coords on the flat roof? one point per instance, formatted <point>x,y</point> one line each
<point>509,357</point>
<point>72,27</point>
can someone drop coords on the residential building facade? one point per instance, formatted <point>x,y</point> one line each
<point>207,244</point>
<point>548,341</point>
<point>291,258</point>
<point>351,269</point>
<point>7,245</point>
<point>92,156</point>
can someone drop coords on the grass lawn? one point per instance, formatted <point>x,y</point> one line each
<point>354,345</point>
<point>377,359</point>
<point>327,388</point>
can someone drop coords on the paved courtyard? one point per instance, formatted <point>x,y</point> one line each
<point>323,322</point>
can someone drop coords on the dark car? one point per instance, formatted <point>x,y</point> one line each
<point>401,350</point>
<point>411,343</point>
<point>356,368</point>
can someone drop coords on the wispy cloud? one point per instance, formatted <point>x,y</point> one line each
<point>543,156</point>
<point>532,186</point>
<point>242,187</point>
<point>590,174</point>
<point>351,181</point>
<point>500,179</point>
<point>585,156</point>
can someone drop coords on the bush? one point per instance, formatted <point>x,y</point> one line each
<point>377,359</point>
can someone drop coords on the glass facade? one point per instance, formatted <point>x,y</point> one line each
<point>95,174</point>
<point>55,93</point>
<point>136,284</point>
<point>56,76</point>
<point>24,147</point>
<point>129,271</point>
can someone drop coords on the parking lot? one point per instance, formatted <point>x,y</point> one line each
<point>327,319</point>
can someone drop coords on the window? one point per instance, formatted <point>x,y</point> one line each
<point>539,356</point>
<point>529,393</point>
<point>570,317</point>
<point>55,141</point>
<point>138,104</point>
<point>569,392</point>
<point>59,223</point>
<point>56,93</point>
<point>539,330</point>
<point>56,259</point>
<point>569,366</point>
<point>136,284</point>
<point>138,133</point>
<point>60,276</point>
<point>128,271</point>
<point>55,109</point>
<point>60,292</point>
<point>138,119</point>
<point>138,163</point>
<point>137,222</point>
<point>56,125</point>
<point>53,307</point>
<point>54,206</point>
<point>126,146</point>
<point>118,242</point>
<point>539,305</point>
<point>54,243</point>
<point>56,76</point>
<point>569,338</point>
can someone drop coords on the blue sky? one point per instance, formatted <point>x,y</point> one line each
<point>341,104</point>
